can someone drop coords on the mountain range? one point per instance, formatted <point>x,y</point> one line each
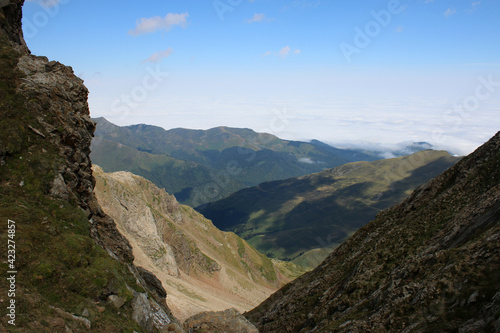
<point>428,264</point>
<point>200,166</point>
<point>304,218</point>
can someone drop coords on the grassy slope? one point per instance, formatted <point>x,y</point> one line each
<point>58,263</point>
<point>181,178</point>
<point>287,218</point>
<point>244,271</point>
<point>429,264</point>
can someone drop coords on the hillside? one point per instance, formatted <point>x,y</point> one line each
<point>304,218</point>
<point>232,157</point>
<point>185,180</point>
<point>201,267</point>
<point>428,264</point>
<point>70,270</point>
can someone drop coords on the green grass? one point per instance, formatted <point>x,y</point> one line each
<point>287,219</point>
<point>186,180</point>
<point>58,262</point>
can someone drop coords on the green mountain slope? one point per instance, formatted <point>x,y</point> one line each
<point>68,263</point>
<point>186,180</point>
<point>428,264</point>
<point>201,267</point>
<point>287,218</point>
<point>233,157</point>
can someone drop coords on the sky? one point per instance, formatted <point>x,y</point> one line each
<point>343,72</point>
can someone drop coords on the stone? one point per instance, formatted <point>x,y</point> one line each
<point>473,297</point>
<point>223,321</point>
<point>173,327</point>
<point>142,311</point>
<point>83,321</point>
<point>57,322</point>
<point>117,301</point>
<point>59,188</point>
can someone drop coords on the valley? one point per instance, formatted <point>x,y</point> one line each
<point>304,218</point>
<point>141,229</point>
<point>201,267</point>
<point>428,264</point>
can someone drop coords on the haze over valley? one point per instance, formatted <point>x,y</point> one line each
<point>249,166</point>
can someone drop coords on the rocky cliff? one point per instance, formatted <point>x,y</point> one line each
<point>201,267</point>
<point>74,269</point>
<point>429,264</point>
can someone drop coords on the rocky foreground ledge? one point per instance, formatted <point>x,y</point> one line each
<point>75,271</point>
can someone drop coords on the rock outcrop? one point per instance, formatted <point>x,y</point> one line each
<point>47,189</point>
<point>429,264</point>
<point>11,21</point>
<point>58,101</point>
<point>223,321</point>
<point>201,267</point>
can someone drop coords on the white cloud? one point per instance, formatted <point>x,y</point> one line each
<point>159,56</point>
<point>306,160</point>
<point>449,12</point>
<point>152,24</point>
<point>474,7</point>
<point>257,17</point>
<point>284,51</point>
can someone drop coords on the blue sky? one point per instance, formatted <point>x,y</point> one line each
<point>345,72</point>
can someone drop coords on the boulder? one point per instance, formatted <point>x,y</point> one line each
<point>223,321</point>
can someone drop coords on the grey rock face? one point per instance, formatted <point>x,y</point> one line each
<point>223,321</point>
<point>148,313</point>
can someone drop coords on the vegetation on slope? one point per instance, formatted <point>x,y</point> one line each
<point>63,278</point>
<point>57,261</point>
<point>304,218</point>
<point>181,178</point>
<point>179,241</point>
<point>233,158</point>
<point>429,264</point>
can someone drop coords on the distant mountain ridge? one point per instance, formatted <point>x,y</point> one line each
<point>287,218</point>
<point>215,162</point>
<point>428,264</point>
